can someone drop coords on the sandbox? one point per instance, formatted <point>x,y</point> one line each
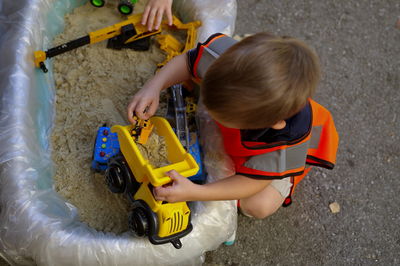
<point>37,225</point>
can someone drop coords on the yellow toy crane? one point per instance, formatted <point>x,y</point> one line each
<point>126,34</point>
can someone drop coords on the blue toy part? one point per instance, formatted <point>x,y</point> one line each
<point>194,150</point>
<point>106,146</point>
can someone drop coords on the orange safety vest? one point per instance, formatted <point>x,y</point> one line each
<point>273,160</point>
<point>286,159</point>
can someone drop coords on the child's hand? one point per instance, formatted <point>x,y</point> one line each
<point>144,103</point>
<point>154,11</point>
<point>179,190</point>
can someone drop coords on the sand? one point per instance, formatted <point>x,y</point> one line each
<point>155,151</point>
<point>93,87</point>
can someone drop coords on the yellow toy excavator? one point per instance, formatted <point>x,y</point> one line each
<point>172,46</point>
<point>127,34</point>
<point>141,130</point>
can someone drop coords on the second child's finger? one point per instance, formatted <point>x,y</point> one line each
<point>169,16</point>
<point>145,15</point>
<point>150,20</point>
<point>159,19</point>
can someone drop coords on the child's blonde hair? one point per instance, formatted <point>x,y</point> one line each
<point>261,80</point>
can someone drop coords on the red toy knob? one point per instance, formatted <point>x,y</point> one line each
<point>102,154</point>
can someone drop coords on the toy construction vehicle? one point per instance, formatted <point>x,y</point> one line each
<point>127,34</point>
<point>107,144</point>
<point>141,130</point>
<point>172,46</point>
<point>180,113</point>
<point>125,7</point>
<point>105,147</point>
<point>128,172</point>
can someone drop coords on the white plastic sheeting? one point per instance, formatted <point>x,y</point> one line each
<point>37,227</point>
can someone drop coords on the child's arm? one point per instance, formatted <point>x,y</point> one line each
<point>154,11</point>
<point>230,188</point>
<point>145,102</point>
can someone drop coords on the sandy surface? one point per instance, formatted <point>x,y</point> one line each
<point>93,86</point>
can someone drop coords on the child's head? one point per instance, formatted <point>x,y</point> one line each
<point>260,81</point>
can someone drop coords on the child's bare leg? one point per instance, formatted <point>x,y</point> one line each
<point>262,204</point>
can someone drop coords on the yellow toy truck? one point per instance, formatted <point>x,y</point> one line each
<point>130,173</point>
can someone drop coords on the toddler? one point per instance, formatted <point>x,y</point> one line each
<point>259,93</point>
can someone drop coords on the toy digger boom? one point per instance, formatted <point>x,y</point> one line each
<point>124,34</point>
<point>130,27</point>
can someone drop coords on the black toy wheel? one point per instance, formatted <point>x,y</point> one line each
<point>141,44</point>
<point>125,7</point>
<point>138,222</point>
<point>132,186</point>
<point>116,174</point>
<point>97,3</point>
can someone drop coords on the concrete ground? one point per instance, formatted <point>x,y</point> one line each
<point>359,47</point>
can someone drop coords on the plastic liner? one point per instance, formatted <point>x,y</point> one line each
<point>37,227</point>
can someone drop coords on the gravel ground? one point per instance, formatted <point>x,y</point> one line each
<point>359,47</point>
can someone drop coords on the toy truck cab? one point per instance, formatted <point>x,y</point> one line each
<point>130,173</point>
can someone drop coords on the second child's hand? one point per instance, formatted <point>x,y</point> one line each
<point>154,12</point>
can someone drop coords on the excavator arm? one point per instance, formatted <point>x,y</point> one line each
<point>120,35</point>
